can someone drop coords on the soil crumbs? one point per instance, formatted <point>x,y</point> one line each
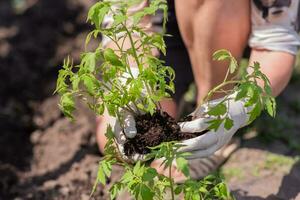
<point>153,130</point>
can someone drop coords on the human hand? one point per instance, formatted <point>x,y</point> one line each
<point>123,130</point>
<point>208,143</point>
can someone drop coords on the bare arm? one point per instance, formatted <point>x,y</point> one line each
<point>278,66</point>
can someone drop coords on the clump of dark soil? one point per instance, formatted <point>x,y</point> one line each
<point>153,130</point>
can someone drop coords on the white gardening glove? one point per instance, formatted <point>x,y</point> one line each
<point>121,135</point>
<point>208,143</point>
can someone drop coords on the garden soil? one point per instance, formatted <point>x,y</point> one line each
<point>45,156</point>
<point>153,130</point>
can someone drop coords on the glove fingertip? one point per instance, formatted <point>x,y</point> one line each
<point>130,132</point>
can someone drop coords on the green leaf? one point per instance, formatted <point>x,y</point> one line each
<point>100,109</point>
<point>75,82</point>
<point>195,196</point>
<point>111,57</point>
<point>137,167</point>
<point>256,66</point>
<point>182,165</point>
<point>146,193</point>
<point>107,168</point>
<point>228,123</point>
<point>242,91</point>
<point>61,86</point>
<point>157,41</point>
<point>90,84</point>
<point>214,124</point>
<point>222,54</point>
<point>255,112</point>
<point>97,12</point>
<point>218,110</point>
<point>149,174</point>
<point>178,189</point>
<point>150,106</point>
<point>118,19</point>
<point>67,104</point>
<point>268,89</point>
<point>116,189</point>
<point>233,65</point>
<point>89,61</point>
<point>101,175</point>
<point>109,133</point>
<point>137,17</point>
<point>271,106</point>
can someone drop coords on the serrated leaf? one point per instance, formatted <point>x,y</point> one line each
<point>218,110</point>
<point>195,196</point>
<point>150,106</point>
<point>109,132</point>
<point>222,54</point>
<point>268,89</point>
<point>146,193</point>
<point>67,104</point>
<point>111,57</point>
<point>115,190</point>
<point>256,65</point>
<point>75,82</point>
<point>97,12</point>
<point>101,175</point>
<point>182,165</point>
<point>178,189</point>
<point>214,124</point>
<point>106,166</point>
<point>118,19</point>
<point>255,112</point>
<point>228,123</point>
<point>271,106</point>
<point>233,65</point>
<point>89,61</point>
<point>100,109</point>
<point>137,17</point>
<point>242,92</point>
<point>90,84</point>
<point>137,167</point>
<point>149,174</point>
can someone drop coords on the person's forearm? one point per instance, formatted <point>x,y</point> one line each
<point>278,67</point>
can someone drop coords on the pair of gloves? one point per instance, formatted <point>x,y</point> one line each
<point>201,146</point>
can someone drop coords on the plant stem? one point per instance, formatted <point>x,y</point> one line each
<point>218,88</point>
<point>171,157</point>
<point>171,182</point>
<point>137,59</point>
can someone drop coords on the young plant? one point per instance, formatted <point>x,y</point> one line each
<point>105,80</point>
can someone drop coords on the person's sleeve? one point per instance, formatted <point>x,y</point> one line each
<point>274,25</point>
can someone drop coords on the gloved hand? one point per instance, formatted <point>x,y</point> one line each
<point>121,134</point>
<point>208,143</point>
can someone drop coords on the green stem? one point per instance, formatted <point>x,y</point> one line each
<point>137,59</point>
<point>132,46</point>
<point>208,96</point>
<point>170,151</point>
<point>171,182</point>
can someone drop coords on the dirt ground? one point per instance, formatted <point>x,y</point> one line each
<point>45,156</point>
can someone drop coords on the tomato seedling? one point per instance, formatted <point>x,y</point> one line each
<point>104,79</point>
